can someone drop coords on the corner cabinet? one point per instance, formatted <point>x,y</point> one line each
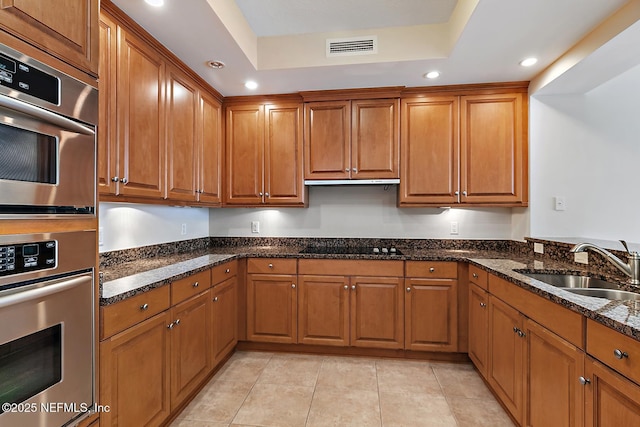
<point>66,29</point>
<point>352,139</point>
<point>465,149</point>
<point>264,154</point>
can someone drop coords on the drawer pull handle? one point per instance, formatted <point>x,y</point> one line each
<point>483,305</point>
<point>432,269</point>
<point>144,307</point>
<point>215,299</point>
<point>270,265</point>
<point>196,284</point>
<point>227,271</point>
<point>475,275</point>
<point>619,354</point>
<point>584,381</point>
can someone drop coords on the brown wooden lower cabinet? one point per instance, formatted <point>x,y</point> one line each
<point>190,346</point>
<point>272,308</point>
<point>611,399</point>
<point>553,366</point>
<point>323,310</point>
<point>479,328</point>
<point>224,315</point>
<point>134,373</point>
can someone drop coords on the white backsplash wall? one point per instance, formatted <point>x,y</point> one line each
<point>361,211</point>
<point>124,226</point>
<point>586,148</point>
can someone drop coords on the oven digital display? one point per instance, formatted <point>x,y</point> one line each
<point>29,250</point>
<point>7,64</point>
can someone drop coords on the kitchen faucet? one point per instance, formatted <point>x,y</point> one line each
<point>632,269</point>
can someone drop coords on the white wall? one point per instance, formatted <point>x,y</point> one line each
<point>361,211</point>
<point>586,148</point>
<point>124,226</point>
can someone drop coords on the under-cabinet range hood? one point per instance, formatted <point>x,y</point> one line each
<point>351,181</point>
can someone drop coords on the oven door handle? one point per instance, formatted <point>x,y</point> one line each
<point>44,115</point>
<point>37,293</point>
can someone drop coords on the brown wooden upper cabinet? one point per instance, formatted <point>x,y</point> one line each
<point>352,139</point>
<point>466,149</point>
<point>264,154</point>
<point>66,29</point>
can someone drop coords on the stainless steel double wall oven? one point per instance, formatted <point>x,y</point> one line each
<point>47,298</point>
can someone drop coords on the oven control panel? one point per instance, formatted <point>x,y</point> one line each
<point>26,257</point>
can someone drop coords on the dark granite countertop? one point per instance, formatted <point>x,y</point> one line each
<point>131,278</point>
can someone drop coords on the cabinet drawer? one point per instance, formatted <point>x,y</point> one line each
<point>604,343</point>
<point>121,315</point>
<point>478,276</point>
<point>190,286</point>
<point>272,265</point>
<point>222,272</point>
<point>435,269</point>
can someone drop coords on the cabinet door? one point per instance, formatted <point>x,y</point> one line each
<point>323,310</point>
<point>182,104</point>
<point>210,149</point>
<point>244,152</point>
<point>506,352</point>
<point>375,139</point>
<point>67,29</point>
<point>107,138</point>
<point>190,346</point>
<point>429,151</point>
<point>377,312</point>
<point>611,399</point>
<point>553,395</point>
<point>327,140</point>
<point>284,184</point>
<point>224,316</point>
<point>431,314</point>
<point>479,328</point>
<point>493,148</point>
<point>134,374</point>
<point>140,118</point>
<point>272,308</point>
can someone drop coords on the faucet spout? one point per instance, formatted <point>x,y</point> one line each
<point>631,269</point>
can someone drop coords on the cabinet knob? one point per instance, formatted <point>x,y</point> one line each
<point>521,334</point>
<point>270,265</point>
<point>483,305</point>
<point>293,286</point>
<point>353,287</point>
<point>464,193</point>
<point>115,179</point>
<point>457,193</point>
<point>409,289</point>
<point>475,275</point>
<point>215,299</point>
<point>346,287</point>
<point>196,284</point>
<point>170,325</point>
<point>177,322</point>
<point>584,381</point>
<point>431,270</point>
<point>266,194</point>
<point>227,271</point>
<point>144,307</point>
<point>347,170</point>
<point>355,170</point>
<point>619,354</point>
<point>515,329</point>
<point>260,194</point>
<point>124,180</point>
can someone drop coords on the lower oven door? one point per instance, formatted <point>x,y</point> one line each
<point>47,352</point>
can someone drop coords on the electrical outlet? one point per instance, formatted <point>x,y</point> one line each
<point>454,227</point>
<point>183,230</point>
<point>538,248</point>
<point>100,236</point>
<point>255,226</point>
<point>560,203</point>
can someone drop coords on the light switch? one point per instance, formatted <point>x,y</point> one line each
<point>560,203</point>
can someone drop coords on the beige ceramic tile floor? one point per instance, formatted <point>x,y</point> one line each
<point>288,390</point>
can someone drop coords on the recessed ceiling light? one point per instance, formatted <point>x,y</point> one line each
<point>528,62</point>
<point>215,64</point>
<point>155,3</point>
<point>432,75</point>
<point>251,85</point>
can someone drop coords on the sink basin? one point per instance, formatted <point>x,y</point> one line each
<point>613,294</point>
<point>572,281</point>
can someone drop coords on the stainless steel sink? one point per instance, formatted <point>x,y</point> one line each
<point>572,281</point>
<point>612,294</point>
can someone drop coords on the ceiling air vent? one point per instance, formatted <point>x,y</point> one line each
<point>352,46</point>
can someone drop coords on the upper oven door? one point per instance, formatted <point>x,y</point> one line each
<point>47,161</point>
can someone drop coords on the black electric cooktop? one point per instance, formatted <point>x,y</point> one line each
<point>350,250</point>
